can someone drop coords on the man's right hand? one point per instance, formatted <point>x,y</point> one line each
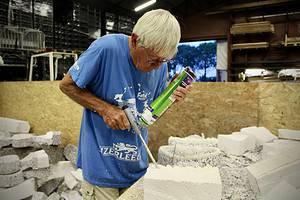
<point>115,118</point>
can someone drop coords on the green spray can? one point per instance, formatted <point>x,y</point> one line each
<point>165,100</point>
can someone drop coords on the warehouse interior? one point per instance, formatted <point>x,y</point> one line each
<point>236,135</point>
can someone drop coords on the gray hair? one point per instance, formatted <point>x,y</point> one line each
<point>160,31</point>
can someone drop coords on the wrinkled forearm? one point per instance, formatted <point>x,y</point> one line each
<point>82,96</point>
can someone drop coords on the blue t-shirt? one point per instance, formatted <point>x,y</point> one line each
<point>114,158</point>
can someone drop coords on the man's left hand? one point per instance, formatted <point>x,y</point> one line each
<point>181,92</point>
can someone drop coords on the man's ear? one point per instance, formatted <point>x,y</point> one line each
<point>134,38</point>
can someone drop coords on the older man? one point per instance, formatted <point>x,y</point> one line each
<point>116,71</point>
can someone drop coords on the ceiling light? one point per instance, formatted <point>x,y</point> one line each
<point>144,5</point>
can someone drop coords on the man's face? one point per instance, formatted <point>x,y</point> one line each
<point>147,60</point>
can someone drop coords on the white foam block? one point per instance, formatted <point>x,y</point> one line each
<point>59,170</point>
<point>21,191</point>
<point>261,134</point>
<point>70,181</point>
<point>77,174</point>
<point>50,138</point>
<point>289,134</point>
<point>265,174</point>
<point>251,141</point>
<point>279,146</point>
<point>281,191</point>
<point>22,140</point>
<point>235,144</point>
<point>179,183</point>
<point>13,125</point>
<point>35,160</point>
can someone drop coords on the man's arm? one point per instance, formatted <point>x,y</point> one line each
<point>113,116</point>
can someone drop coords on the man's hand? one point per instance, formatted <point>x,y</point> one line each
<point>115,118</point>
<point>181,92</point>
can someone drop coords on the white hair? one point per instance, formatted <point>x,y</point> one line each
<point>160,31</point>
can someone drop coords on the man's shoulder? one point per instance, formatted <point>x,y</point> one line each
<point>109,42</point>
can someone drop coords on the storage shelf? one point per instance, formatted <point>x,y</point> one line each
<point>256,45</point>
<point>252,28</point>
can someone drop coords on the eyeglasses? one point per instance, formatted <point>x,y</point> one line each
<point>154,61</point>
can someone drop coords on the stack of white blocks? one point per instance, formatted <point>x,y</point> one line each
<point>13,125</point>
<point>15,183</point>
<point>12,183</point>
<point>280,146</point>
<point>283,190</point>
<point>265,174</point>
<point>236,143</point>
<point>260,134</point>
<point>277,175</point>
<point>246,140</point>
<point>289,134</point>
<point>179,183</point>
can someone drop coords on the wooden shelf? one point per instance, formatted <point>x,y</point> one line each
<point>252,27</point>
<point>291,41</point>
<point>266,62</point>
<point>256,45</point>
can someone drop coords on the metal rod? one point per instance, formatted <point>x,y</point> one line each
<point>137,130</point>
<point>148,150</point>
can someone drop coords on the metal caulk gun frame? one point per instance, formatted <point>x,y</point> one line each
<point>135,127</point>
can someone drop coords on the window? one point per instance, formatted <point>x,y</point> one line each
<point>200,56</point>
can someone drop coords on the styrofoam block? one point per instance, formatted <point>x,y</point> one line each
<point>70,153</point>
<point>22,140</point>
<point>293,178</point>
<point>5,134</point>
<point>193,140</point>
<point>37,173</point>
<point>50,138</point>
<point>251,141</point>
<point>13,125</point>
<point>279,146</point>
<point>281,191</point>
<point>35,160</point>
<point>56,137</point>
<point>182,183</point>
<point>261,134</point>
<point>39,196</point>
<point>71,195</point>
<point>21,191</point>
<point>50,186</point>
<point>289,134</point>
<point>70,181</point>
<point>9,164</point>
<point>78,174</point>
<point>5,139</point>
<point>235,144</point>
<point>59,170</point>
<point>174,154</point>
<point>264,174</point>
<point>11,180</point>
<point>54,196</point>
